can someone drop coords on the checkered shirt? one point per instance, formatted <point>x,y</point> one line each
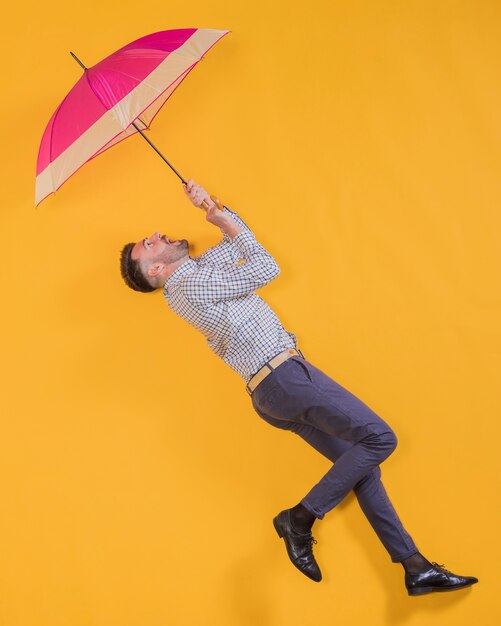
<point>214,292</point>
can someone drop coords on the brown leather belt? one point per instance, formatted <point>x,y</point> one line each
<point>267,368</point>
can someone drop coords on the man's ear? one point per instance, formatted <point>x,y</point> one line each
<point>155,270</point>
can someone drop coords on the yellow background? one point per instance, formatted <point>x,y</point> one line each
<point>361,142</point>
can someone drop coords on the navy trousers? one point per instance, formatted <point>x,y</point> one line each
<point>299,397</point>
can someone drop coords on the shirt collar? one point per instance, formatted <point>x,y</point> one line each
<point>184,268</point>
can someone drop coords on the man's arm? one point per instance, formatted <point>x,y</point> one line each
<point>224,252</point>
<point>226,222</point>
<point>238,220</point>
<point>215,284</point>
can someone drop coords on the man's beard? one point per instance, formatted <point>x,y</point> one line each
<point>182,250</point>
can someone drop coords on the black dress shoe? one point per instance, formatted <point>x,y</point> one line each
<point>436,578</point>
<point>299,546</point>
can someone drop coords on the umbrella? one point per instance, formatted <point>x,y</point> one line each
<point>116,98</point>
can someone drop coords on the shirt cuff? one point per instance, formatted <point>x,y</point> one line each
<point>244,239</point>
<point>233,214</point>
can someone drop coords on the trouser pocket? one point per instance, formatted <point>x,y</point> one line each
<point>304,367</point>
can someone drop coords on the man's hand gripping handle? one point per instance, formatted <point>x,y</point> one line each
<point>213,207</point>
<point>199,197</point>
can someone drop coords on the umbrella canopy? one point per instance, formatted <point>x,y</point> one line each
<point>116,98</point>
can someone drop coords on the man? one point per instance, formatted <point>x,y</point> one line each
<point>215,293</point>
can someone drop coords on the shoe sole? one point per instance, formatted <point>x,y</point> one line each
<point>419,591</point>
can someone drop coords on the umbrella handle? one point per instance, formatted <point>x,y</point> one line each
<point>216,201</point>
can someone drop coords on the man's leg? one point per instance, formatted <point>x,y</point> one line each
<point>299,393</point>
<point>370,493</point>
<point>298,396</point>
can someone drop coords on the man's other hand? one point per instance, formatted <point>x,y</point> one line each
<point>219,218</point>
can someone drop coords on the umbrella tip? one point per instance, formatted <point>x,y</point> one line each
<point>77,60</point>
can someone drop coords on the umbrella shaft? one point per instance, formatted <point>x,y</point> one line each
<point>158,152</point>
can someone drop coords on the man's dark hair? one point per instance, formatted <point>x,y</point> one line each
<point>131,271</point>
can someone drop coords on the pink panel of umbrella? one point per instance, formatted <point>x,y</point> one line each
<point>116,98</point>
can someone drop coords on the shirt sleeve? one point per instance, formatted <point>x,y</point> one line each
<point>212,284</point>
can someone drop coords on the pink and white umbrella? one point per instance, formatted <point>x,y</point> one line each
<point>116,98</point>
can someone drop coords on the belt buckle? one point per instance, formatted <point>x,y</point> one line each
<point>271,369</point>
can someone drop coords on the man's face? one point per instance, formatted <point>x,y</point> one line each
<point>159,249</point>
